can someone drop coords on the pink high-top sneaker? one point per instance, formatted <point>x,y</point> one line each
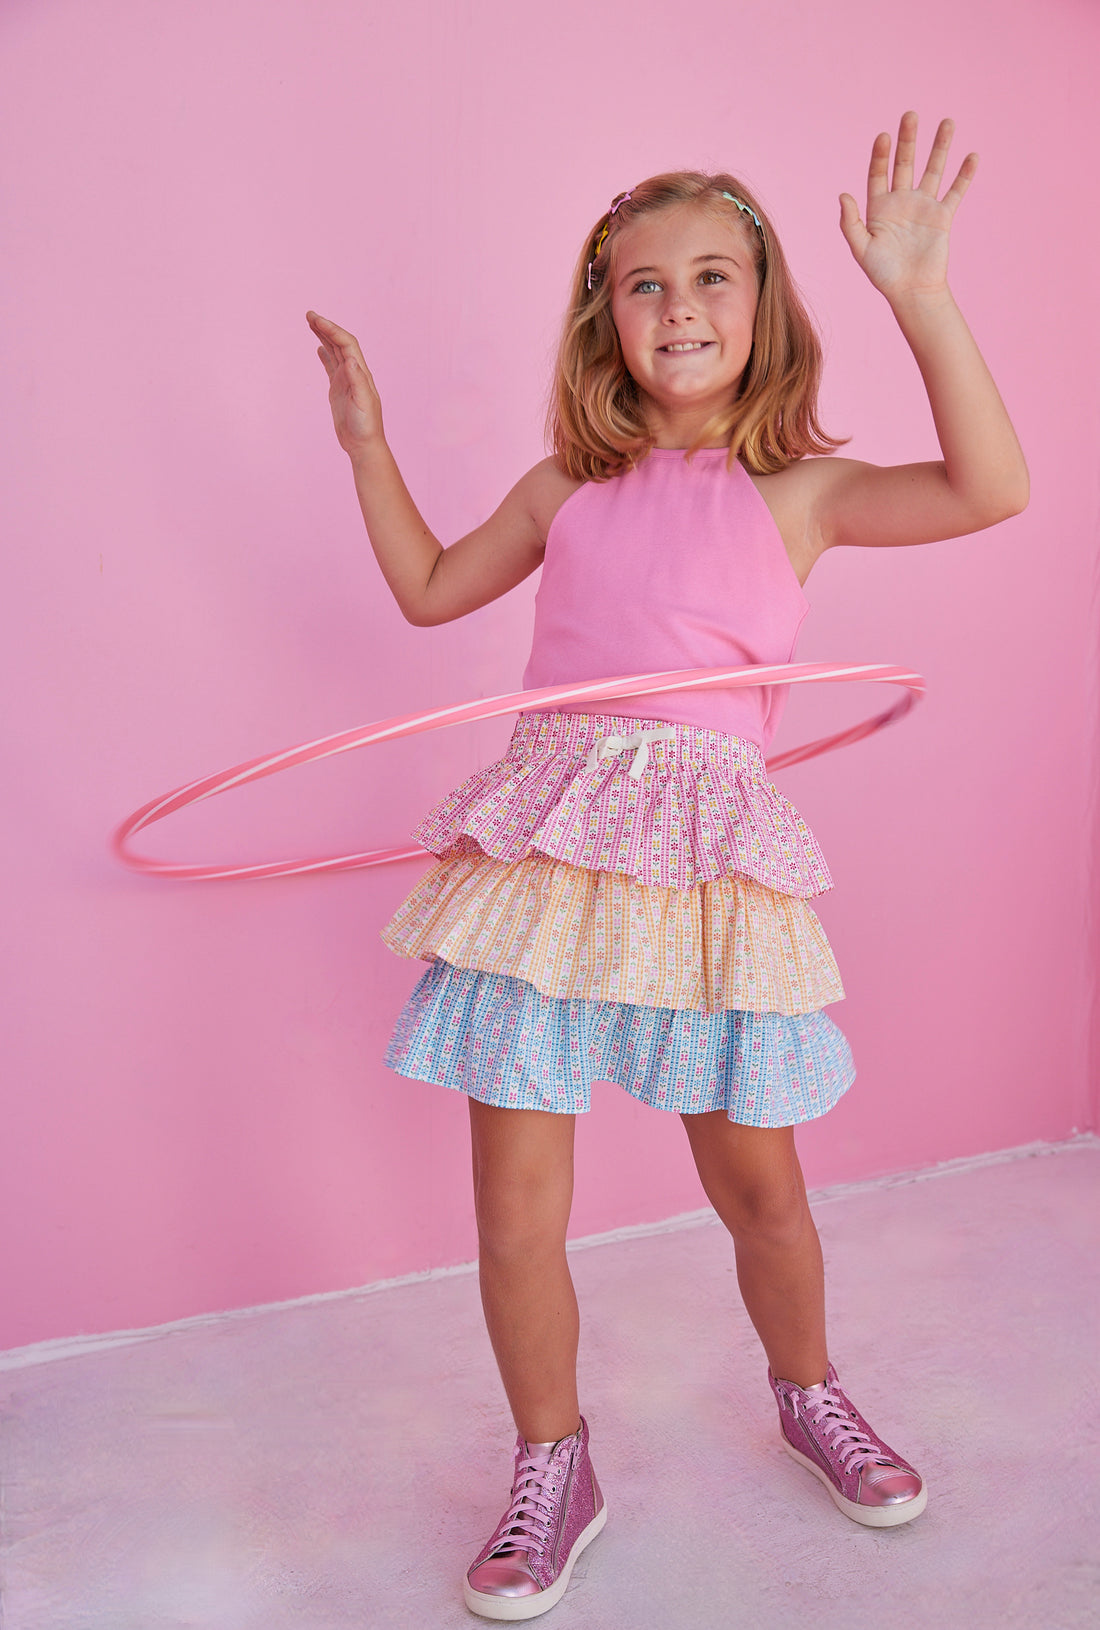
<point>556,1509</point>
<point>867,1479</point>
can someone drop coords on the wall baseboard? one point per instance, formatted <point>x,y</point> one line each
<point>65,1347</point>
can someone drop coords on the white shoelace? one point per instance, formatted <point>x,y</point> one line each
<point>526,1524</point>
<point>608,746</point>
<point>844,1436</point>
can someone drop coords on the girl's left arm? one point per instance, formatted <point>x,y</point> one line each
<point>982,477</point>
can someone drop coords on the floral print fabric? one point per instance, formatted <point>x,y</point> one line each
<point>635,915</point>
<point>604,936</point>
<point>701,808</point>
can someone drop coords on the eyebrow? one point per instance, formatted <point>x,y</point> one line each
<point>698,261</point>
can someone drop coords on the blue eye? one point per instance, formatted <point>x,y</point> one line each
<point>646,284</point>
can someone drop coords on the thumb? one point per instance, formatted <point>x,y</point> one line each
<point>852,227</point>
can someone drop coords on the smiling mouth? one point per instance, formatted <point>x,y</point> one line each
<point>684,347</point>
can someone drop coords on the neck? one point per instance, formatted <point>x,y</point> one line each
<point>674,428</point>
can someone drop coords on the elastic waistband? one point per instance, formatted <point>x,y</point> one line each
<point>666,743</point>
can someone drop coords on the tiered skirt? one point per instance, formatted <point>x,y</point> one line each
<point>622,900</point>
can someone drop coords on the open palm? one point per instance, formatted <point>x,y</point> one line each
<point>902,245</point>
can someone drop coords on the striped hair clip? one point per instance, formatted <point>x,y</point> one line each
<point>746,209</point>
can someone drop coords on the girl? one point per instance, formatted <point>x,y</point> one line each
<point>624,896</point>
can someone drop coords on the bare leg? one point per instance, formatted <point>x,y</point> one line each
<point>523,1191</point>
<point>753,1180</point>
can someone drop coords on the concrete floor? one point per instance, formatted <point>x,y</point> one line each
<point>338,1463</point>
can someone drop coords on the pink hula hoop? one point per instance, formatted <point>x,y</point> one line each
<point>412,724</point>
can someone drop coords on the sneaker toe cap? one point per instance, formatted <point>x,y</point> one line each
<point>888,1485</point>
<point>504,1576</point>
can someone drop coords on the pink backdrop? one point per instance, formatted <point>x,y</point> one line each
<point>195,1112</point>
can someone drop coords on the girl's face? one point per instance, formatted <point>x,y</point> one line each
<point>684,300</point>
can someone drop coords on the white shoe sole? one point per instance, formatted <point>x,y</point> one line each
<point>871,1516</point>
<point>529,1607</point>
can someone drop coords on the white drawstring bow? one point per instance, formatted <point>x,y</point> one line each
<point>608,746</point>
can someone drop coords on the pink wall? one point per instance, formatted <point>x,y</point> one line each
<point>195,1112</point>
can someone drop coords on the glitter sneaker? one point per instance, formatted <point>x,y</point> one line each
<point>556,1510</point>
<point>866,1478</point>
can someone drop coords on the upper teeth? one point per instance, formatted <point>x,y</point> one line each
<point>685,345</point>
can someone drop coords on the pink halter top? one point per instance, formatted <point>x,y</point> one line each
<point>673,565</point>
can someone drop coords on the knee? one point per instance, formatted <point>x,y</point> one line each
<point>751,1177</point>
<point>523,1180</point>
<point>518,1220</point>
<point>773,1214</point>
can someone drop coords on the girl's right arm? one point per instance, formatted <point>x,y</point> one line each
<point>430,584</point>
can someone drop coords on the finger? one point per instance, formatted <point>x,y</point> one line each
<point>319,333</point>
<point>325,326</point>
<point>937,158</point>
<point>331,334</point>
<point>854,231</point>
<point>320,325</point>
<point>878,172</point>
<point>906,151</point>
<point>348,351</point>
<point>967,171</point>
<point>341,348</point>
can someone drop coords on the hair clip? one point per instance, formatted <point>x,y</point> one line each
<point>746,209</point>
<point>616,204</point>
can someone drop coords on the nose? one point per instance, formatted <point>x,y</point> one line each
<point>679,307</point>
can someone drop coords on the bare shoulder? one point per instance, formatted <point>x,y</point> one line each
<point>542,491</point>
<point>795,497</point>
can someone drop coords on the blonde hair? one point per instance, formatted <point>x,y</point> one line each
<point>595,421</point>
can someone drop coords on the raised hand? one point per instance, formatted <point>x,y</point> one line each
<point>356,405</point>
<point>902,246</point>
